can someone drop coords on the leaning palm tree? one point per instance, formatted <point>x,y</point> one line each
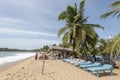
<point>77,31</point>
<point>115,10</point>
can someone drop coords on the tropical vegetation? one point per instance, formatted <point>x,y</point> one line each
<point>113,48</point>
<point>77,32</point>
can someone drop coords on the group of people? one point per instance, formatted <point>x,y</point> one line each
<point>40,55</point>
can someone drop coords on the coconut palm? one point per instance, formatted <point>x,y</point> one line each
<point>110,47</point>
<point>77,31</point>
<point>115,10</point>
<point>115,45</point>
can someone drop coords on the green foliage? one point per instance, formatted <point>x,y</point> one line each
<point>115,45</point>
<point>17,50</point>
<point>45,48</point>
<point>77,32</point>
<point>110,46</point>
<point>103,44</point>
<point>115,10</point>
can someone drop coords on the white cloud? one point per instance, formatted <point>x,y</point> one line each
<point>11,21</point>
<point>26,43</point>
<point>18,31</point>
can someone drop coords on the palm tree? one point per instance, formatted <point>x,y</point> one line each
<point>77,31</point>
<point>110,47</point>
<point>115,45</point>
<point>115,10</point>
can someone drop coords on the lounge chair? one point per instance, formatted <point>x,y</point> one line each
<point>103,68</point>
<point>74,61</point>
<point>82,63</point>
<point>90,65</point>
<point>68,59</point>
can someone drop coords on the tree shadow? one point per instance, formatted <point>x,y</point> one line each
<point>105,74</point>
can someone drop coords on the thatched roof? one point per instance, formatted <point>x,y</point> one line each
<point>61,48</point>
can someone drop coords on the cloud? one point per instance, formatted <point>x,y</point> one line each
<point>24,32</point>
<point>26,43</point>
<point>11,21</point>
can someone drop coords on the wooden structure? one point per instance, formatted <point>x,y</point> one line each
<point>65,52</point>
<point>61,49</point>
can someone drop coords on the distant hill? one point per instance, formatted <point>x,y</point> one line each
<point>18,50</point>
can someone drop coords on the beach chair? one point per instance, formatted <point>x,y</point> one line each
<point>90,65</point>
<point>77,61</point>
<point>82,63</point>
<point>67,59</point>
<point>105,67</point>
<point>74,61</point>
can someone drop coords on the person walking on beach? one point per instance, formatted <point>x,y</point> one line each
<point>36,55</point>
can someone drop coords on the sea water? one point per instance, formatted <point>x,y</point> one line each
<point>7,57</point>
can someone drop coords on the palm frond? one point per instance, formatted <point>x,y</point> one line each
<point>62,15</point>
<point>117,12</point>
<point>71,12</point>
<point>106,14</point>
<point>66,38</point>
<point>82,36</point>
<point>77,17</point>
<point>62,30</point>
<point>75,8</point>
<point>115,3</point>
<point>90,31</point>
<point>82,3</point>
<point>94,26</point>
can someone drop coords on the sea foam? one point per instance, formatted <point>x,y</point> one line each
<point>17,56</point>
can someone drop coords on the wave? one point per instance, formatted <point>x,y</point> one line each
<point>17,56</point>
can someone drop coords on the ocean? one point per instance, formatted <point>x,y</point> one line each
<point>7,57</point>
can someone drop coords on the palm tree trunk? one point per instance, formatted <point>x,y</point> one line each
<point>85,52</point>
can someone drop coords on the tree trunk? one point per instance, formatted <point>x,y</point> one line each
<point>85,52</point>
<point>111,56</point>
<point>94,58</point>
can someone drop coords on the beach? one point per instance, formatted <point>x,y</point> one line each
<point>30,69</point>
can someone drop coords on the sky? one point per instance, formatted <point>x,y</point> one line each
<point>31,24</point>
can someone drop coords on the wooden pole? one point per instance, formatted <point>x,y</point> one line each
<point>43,63</point>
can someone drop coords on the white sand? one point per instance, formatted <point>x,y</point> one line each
<point>54,70</point>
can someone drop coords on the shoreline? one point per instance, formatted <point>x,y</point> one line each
<point>10,66</point>
<point>5,66</point>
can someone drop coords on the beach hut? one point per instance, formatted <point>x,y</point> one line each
<point>64,52</point>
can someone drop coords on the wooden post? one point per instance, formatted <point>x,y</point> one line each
<point>43,63</point>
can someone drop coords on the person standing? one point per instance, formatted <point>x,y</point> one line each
<point>36,55</point>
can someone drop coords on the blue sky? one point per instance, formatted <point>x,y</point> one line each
<point>30,24</point>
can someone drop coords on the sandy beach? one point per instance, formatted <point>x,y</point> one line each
<point>30,69</point>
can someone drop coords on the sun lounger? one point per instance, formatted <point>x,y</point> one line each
<point>103,68</point>
<point>82,63</point>
<point>74,61</point>
<point>90,65</point>
<point>67,59</point>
